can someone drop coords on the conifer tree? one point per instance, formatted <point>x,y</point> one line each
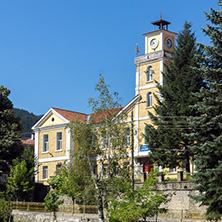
<point>10,144</point>
<point>208,126</point>
<point>165,137</point>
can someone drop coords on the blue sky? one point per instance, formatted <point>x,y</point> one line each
<point>52,51</point>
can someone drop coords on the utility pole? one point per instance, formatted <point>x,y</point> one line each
<point>132,149</point>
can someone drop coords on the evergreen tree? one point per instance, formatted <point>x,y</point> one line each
<point>166,135</point>
<point>208,125</point>
<point>10,144</point>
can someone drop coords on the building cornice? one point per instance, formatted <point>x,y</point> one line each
<point>152,57</point>
<point>51,127</point>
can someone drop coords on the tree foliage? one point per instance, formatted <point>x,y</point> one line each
<point>21,179</point>
<point>52,202</point>
<point>101,146</point>
<point>10,144</point>
<point>134,205</point>
<point>166,136</point>
<point>207,127</point>
<point>5,207</point>
<point>71,183</point>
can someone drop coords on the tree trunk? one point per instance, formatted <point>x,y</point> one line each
<point>187,160</point>
<point>54,215</point>
<point>73,200</point>
<point>99,203</point>
<point>100,209</point>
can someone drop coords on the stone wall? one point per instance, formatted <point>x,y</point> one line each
<point>181,199</point>
<point>46,217</point>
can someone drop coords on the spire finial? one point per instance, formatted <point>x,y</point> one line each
<point>160,13</point>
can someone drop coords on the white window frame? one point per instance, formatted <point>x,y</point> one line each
<point>149,99</point>
<point>45,143</point>
<point>149,74</point>
<point>45,172</point>
<point>58,141</point>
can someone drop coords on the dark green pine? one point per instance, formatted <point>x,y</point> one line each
<point>208,126</point>
<point>10,144</point>
<point>166,136</point>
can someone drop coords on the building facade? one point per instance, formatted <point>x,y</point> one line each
<point>53,142</point>
<point>159,46</point>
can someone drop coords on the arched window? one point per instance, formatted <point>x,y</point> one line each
<point>149,73</point>
<point>149,99</point>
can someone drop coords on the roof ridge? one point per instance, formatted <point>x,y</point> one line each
<point>69,111</point>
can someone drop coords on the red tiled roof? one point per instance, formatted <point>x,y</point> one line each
<point>28,142</point>
<point>99,116</point>
<point>70,115</point>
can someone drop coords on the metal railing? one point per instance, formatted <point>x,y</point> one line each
<point>64,209</point>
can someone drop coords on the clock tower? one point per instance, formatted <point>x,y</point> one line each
<point>159,47</point>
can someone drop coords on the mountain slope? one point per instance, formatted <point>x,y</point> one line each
<point>27,121</point>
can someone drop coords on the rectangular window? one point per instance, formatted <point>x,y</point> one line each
<point>58,167</point>
<point>45,172</point>
<point>105,170</point>
<point>126,166</point>
<point>94,140</point>
<point>173,170</point>
<point>59,141</point>
<point>104,141</point>
<point>94,169</point>
<point>45,143</point>
<point>126,137</point>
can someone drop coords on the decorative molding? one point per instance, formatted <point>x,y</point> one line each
<point>52,127</point>
<point>36,150</point>
<point>148,86</point>
<point>152,57</point>
<point>53,159</point>
<point>51,111</point>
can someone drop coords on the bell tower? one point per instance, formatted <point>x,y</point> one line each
<point>159,47</point>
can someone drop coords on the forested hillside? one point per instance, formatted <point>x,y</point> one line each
<point>27,120</point>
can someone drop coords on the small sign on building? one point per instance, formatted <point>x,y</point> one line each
<point>144,148</point>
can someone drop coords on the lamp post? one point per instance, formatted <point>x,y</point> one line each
<point>132,149</point>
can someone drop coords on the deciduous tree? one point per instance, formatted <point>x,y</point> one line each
<point>21,179</point>
<point>101,148</point>
<point>134,205</point>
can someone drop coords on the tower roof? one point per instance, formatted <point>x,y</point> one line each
<point>161,23</point>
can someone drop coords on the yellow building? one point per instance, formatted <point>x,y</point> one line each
<point>159,46</point>
<point>53,141</point>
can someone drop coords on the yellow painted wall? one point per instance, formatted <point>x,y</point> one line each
<point>52,120</point>
<point>156,74</point>
<point>52,144</point>
<point>51,170</point>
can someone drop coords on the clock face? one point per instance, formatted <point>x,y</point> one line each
<point>168,42</point>
<point>154,43</point>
